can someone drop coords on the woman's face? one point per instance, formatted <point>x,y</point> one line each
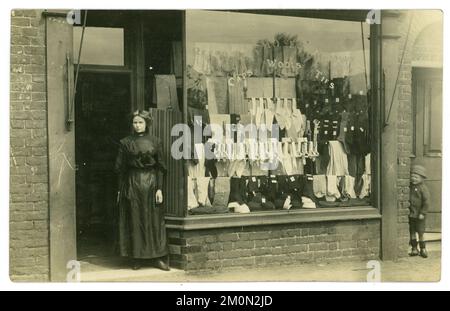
<point>139,124</point>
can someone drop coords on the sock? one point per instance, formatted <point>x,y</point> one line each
<point>279,115</point>
<point>421,244</point>
<point>365,190</point>
<point>287,203</point>
<point>332,189</point>
<point>191,189</point>
<point>202,186</point>
<point>319,186</point>
<point>287,113</point>
<point>349,187</point>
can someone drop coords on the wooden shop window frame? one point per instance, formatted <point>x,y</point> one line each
<point>372,211</point>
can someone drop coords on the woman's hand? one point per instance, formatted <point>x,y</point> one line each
<point>421,217</point>
<point>159,196</point>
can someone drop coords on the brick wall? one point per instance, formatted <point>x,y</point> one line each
<point>29,226</point>
<point>272,245</point>
<point>404,120</point>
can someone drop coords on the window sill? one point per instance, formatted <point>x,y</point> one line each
<point>272,218</point>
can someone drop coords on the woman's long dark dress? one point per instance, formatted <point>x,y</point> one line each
<point>141,170</point>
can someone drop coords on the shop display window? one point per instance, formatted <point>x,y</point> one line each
<point>284,107</point>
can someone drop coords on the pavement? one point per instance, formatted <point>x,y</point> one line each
<point>408,269</point>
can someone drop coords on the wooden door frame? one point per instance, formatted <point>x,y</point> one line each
<point>60,210</point>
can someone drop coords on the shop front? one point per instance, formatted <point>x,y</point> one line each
<point>285,169</point>
<point>273,129</point>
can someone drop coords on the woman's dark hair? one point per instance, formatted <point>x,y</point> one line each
<point>144,114</point>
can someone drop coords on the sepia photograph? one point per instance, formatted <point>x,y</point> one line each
<point>231,145</point>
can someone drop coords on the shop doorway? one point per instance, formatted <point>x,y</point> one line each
<point>427,141</point>
<point>103,103</point>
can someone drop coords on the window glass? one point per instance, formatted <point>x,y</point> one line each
<point>286,98</point>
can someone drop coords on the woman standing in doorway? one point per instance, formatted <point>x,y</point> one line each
<point>141,169</point>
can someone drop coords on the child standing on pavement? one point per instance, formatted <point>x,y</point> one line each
<point>418,207</point>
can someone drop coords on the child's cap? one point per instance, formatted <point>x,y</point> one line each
<point>419,170</point>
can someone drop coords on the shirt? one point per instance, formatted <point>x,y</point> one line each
<point>419,198</point>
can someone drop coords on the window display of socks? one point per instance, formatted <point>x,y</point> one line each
<point>338,164</point>
<point>308,203</point>
<point>349,186</point>
<point>269,114</point>
<point>192,193</point>
<point>202,191</point>
<point>365,190</point>
<point>280,114</point>
<point>320,186</point>
<point>332,188</point>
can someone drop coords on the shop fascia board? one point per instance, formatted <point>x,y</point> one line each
<point>279,217</point>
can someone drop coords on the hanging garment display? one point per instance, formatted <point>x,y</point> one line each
<point>237,102</point>
<point>338,164</point>
<point>278,63</point>
<point>268,63</point>
<point>367,169</point>
<point>332,188</point>
<point>237,190</point>
<point>221,191</point>
<point>365,189</point>
<point>287,108</point>
<point>258,111</point>
<point>284,88</point>
<point>201,114</point>
<point>308,190</point>
<point>280,114</point>
<point>308,203</point>
<point>319,186</point>
<point>290,61</point>
<point>287,203</point>
<point>217,94</point>
<point>200,157</point>
<point>287,160</point>
<point>165,92</point>
<point>259,87</point>
<point>219,121</point>
<point>258,54</point>
<point>211,93</point>
<point>343,131</point>
<point>202,191</point>
<point>349,186</point>
<point>239,208</point>
<point>211,190</point>
<point>317,127</point>
<point>192,195</point>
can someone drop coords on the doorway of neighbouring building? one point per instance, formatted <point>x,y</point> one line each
<point>103,103</point>
<point>427,136</point>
